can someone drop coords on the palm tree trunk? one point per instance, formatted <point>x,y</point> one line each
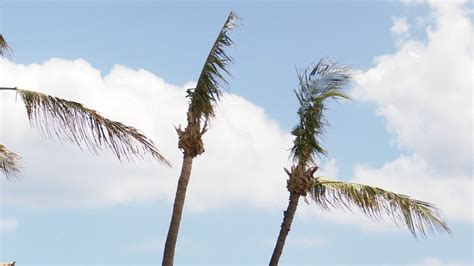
<point>285,227</point>
<point>168,254</point>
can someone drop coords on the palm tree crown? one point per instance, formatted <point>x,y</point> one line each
<point>324,81</point>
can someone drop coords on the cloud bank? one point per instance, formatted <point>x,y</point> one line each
<point>245,149</point>
<point>424,93</point>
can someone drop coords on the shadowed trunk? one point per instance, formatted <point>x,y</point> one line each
<point>285,227</point>
<point>168,254</point>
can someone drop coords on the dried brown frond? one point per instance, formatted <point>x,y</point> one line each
<point>71,121</point>
<point>420,217</point>
<point>9,162</point>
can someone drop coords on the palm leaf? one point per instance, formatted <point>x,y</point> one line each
<point>71,121</point>
<point>326,80</point>
<point>9,162</point>
<point>5,49</point>
<point>419,216</point>
<point>207,90</point>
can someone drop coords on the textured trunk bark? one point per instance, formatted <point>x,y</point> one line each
<point>285,228</point>
<point>168,254</point>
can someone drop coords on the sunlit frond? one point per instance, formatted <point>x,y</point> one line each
<point>71,121</point>
<point>4,47</point>
<point>9,162</point>
<point>326,80</point>
<point>207,90</point>
<point>420,217</point>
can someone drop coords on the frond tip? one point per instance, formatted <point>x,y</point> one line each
<point>5,49</point>
<point>9,162</point>
<point>207,90</point>
<point>71,121</point>
<point>420,217</point>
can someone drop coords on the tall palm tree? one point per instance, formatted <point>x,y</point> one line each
<point>201,108</point>
<point>318,84</point>
<point>71,121</point>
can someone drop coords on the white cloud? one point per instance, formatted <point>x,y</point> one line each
<point>413,176</point>
<point>424,91</point>
<point>400,26</point>
<point>431,261</point>
<point>245,150</point>
<point>152,245</point>
<point>8,225</point>
<point>400,30</point>
<point>305,242</point>
<point>410,2</point>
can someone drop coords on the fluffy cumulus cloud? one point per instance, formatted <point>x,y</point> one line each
<point>424,93</point>
<point>8,224</point>
<point>245,150</point>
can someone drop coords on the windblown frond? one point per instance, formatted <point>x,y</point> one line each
<point>9,162</point>
<point>207,90</point>
<point>418,216</point>
<point>325,80</point>
<point>5,49</point>
<point>71,121</point>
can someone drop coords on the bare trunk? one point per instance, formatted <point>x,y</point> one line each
<point>168,254</point>
<point>285,227</point>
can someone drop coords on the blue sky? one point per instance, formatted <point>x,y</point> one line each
<point>133,62</point>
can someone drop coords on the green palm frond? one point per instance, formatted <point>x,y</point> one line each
<point>207,90</point>
<point>5,49</point>
<point>9,162</point>
<point>420,217</point>
<point>326,80</point>
<point>71,121</point>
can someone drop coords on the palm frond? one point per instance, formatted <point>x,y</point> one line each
<point>326,80</point>
<point>207,90</point>
<point>9,162</point>
<point>71,121</point>
<point>5,49</point>
<point>420,217</point>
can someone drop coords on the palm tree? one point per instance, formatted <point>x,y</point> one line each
<point>201,108</point>
<point>316,85</point>
<point>71,121</point>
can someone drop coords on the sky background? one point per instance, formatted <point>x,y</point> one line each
<point>408,129</point>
